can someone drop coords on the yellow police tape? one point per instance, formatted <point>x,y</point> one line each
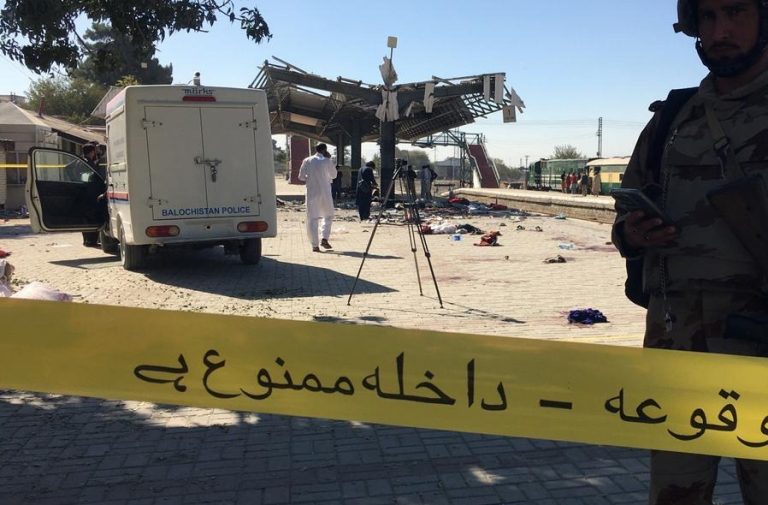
<point>688,402</point>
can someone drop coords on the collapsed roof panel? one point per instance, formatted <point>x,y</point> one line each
<point>328,110</point>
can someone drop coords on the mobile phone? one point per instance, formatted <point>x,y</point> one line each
<point>634,199</point>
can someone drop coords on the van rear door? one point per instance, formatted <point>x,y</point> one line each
<point>202,161</point>
<point>62,192</point>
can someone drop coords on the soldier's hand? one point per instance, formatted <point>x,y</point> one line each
<point>641,232</point>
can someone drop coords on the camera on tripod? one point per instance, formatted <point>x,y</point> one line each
<point>400,164</point>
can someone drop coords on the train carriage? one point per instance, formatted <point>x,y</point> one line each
<point>611,172</point>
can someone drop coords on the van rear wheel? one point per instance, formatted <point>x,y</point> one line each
<point>250,251</point>
<point>131,256</point>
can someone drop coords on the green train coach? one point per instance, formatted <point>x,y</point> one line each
<point>546,174</point>
<point>611,172</point>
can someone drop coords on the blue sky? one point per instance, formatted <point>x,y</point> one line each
<point>570,61</point>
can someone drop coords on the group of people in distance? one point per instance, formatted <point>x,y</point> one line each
<point>580,183</point>
<point>321,177</point>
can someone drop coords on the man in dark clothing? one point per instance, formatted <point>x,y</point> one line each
<point>97,193</point>
<point>366,182</point>
<point>410,181</point>
<point>584,183</point>
<point>336,184</point>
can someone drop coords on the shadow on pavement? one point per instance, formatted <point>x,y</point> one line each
<point>90,263</point>
<point>224,275</point>
<point>10,231</point>
<point>354,254</point>
<point>61,449</point>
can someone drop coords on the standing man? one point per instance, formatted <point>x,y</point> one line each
<point>426,177</point>
<point>699,276</point>
<point>97,191</point>
<point>597,184</point>
<point>318,172</point>
<point>410,182</point>
<point>336,185</point>
<point>584,183</point>
<point>366,182</point>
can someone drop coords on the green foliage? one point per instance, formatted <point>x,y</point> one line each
<point>415,157</point>
<point>279,157</point>
<point>567,152</point>
<point>507,173</point>
<point>72,99</point>
<point>111,56</point>
<point>42,33</point>
<point>127,80</point>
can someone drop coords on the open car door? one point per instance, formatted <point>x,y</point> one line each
<point>63,191</point>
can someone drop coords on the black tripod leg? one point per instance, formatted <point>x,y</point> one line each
<point>370,239</point>
<point>427,254</point>
<point>431,269</point>
<point>411,220</point>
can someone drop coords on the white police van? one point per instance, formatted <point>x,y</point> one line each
<point>186,165</point>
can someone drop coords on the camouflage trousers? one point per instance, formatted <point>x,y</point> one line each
<point>698,320</point>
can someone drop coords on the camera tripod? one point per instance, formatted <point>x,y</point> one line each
<point>413,223</point>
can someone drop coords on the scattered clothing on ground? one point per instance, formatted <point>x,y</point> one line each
<point>489,239</point>
<point>586,316</point>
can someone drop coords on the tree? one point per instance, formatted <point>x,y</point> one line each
<point>42,33</point>
<point>566,152</point>
<point>279,157</point>
<point>507,173</point>
<point>415,157</point>
<point>121,59</point>
<point>73,99</point>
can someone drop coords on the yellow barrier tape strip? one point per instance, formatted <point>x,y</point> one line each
<point>645,398</point>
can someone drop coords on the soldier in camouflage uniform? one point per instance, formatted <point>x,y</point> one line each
<point>696,270</point>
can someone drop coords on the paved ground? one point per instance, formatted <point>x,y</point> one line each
<point>61,450</point>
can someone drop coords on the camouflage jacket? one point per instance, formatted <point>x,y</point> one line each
<point>706,252</point>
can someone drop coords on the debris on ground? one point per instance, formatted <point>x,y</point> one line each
<point>468,228</point>
<point>586,316</point>
<point>489,239</point>
<point>567,246</point>
<point>555,259</point>
<point>39,291</point>
<point>6,273</point>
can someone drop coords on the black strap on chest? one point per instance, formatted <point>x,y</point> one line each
<point>668,110</point>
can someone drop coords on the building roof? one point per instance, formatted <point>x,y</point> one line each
<point>12,114</point>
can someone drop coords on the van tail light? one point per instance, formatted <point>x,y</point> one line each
<point>162,231</point>
<point>198,98</point>
<point>252,226</point>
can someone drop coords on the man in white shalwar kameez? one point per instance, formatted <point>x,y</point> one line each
<point>318,172</point>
